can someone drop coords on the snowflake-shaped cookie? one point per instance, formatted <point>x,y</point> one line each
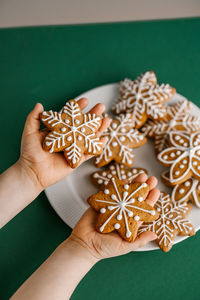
<point>178,119</point>
<point>101,178</point>
<point>122,138</point>
<point>144,98</point>
<point>171,221</point>
<point>72,132</point>
<point>121,207</point>
<point>182,156</point>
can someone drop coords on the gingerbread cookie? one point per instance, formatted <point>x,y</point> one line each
<point>171,221</point>
<point>144,98</point>
<point>101,178</point>
<point>178,118</point>
<point>122,138</point>
<point>186,191</point>
<point>72,132</point>
<point>182,156</point>
<point>121,206</point>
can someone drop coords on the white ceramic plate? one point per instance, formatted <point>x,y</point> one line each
<point>68,197</point>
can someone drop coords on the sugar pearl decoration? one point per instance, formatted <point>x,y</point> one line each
<point>63,129</point>
<point>102,210</point>
<point>126,186</point>
<point>136,218</point>
<point>140,199</point>
<point>106,191</point>
<point>117,226</point>
<point>69,138</point>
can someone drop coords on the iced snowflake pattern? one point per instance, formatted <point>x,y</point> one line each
<point>182,156</point>
<point>121,206</point>
<point>170,223</point>
<point>144,98</point>
<point>72,132</point>
<point>122,138</point>
<point>101,178</point>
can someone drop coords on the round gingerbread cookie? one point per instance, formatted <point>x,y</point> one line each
<point>122,139</point>
<point>72,132</point>
<point>144,98</point>
<point>121,207</point>
<point>171,221</point>
<point>182,156</point>
<point>102,177</point>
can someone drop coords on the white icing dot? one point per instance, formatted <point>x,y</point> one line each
<point>113,197</point>
<point>106,191</point>
<point>152,212</point>
<point>109,176</point>
<point>129,174</point>
<point>158,209</point>
<point>167,222</point>
<point>194,163</point>
<point>159,223</point>
<point>178,152</point>
<point>165,157</point>
<point>66,121</point>
<point>80,138</point>
<point>134,171</point>
<point>177,137</point>
<point>123,129</point>
<point>187,183</point>
<point>117,226</point>
<point>181,191</point>
<point>172,154</point>
<point>198,167</point>
<point>181,141</point>
<point>128,234</point>
<point>110,207</point>
<point>114,144</point>
<point>177,172</point>
<point>102,210</point>
<point>184,161</point>
<point>123,176</point>
<point>140,199</point>
<point>136,218</point>
<point>126,186</point>
<point>112,167</point>
<point>181,166</point>
<point>95,175</point>
<point>122,172</point>
<point>113,172</point>
<point>141,137</point>
<point>48,143</point>
<point>170,216</point>
<point>198,152</point>
<point>82,129</point>
<point>69,138</point>
<point>122,138</point>
<point>119,217</point>
<point>99,181</point>
<point>63,129</point>
<point>77,121</point>
<point>130,213</point>
<point>195,143</point>
<point>106,182</point>
<point>114,125</point>
<point>104,174</point>
<point>132,200</point>
<point>185,144</point>
<point>167,209</point>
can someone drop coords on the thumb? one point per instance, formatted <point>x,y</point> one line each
<point>143,239</point>
<point>32,124</point>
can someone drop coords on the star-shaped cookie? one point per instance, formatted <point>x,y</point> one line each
<point>182,156</point>
<point>72,132</point>
<point>102,177</point>
<point>144,98</point>
<point>178,118</point>
<point>171,221</point>
<point>186,191</point>
<point>122,138</point>
<point>121,206</point>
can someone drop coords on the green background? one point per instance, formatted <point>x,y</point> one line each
<point>55,63</point>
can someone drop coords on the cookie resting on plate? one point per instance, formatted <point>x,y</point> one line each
<point>72,132</point>
<point>122,207</point>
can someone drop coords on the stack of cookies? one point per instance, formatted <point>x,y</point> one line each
<point>142,105</point>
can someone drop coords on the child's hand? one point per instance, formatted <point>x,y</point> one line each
<point>108,245</point>
<point>48,168</point>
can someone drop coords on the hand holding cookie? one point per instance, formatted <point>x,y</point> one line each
<point>48,168</point>
<point>109,245</point>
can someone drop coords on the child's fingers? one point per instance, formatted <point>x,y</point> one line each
<point>152,182</point>
<point>32,124</point>
<point>104,125</point>
<point>143,239</point>
<point>83,103</point>
<point>153,197</point>
<point>98,109</point>
<point>141,178</point>
<point>103,140</point>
